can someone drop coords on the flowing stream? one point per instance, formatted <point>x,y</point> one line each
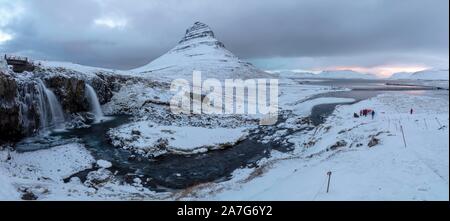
<point>51,112</point>
<point>92,98</point>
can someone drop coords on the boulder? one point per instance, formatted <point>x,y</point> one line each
<point>97,177</point>
<point>341,143</point>
<point>373,141</point>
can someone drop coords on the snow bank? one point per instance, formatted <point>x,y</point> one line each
<point>147,138</point>
<point>56,163</point>
<point>103,164</point>
<point>7,190</point>
<point>41,170</point>
<point>293,93</point>
<point>79,68</point>
<point>131,98</point>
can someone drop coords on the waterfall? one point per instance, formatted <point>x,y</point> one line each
<point>51,112</point>
<point>94,103</point>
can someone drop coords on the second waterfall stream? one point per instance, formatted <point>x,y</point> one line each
<point>92,98</point>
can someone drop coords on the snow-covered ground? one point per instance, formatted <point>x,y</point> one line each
<point>385,171</point>
<point>40,175</point>
<point>367,157</point>
<point>148,138</point>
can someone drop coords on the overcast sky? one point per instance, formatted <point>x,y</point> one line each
<point>378,36</point>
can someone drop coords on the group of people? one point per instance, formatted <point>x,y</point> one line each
<point>365,113</point>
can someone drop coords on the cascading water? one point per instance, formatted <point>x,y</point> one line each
<point>51,112</point>
<point>94,103</point>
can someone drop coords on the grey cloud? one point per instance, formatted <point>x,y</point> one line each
<point>253,29</point>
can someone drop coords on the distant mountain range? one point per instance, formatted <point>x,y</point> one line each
<point>338,74</point>
<point>432,74</point>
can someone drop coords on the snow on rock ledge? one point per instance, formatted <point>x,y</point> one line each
<point>104,164</point>
<point>151,140</point>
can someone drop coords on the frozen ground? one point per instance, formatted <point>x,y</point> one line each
<point>147,138</point>
<point>40,175</point>
<point>367,158</point>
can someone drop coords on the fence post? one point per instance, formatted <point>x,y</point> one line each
<point>403,134</point>
<point>329,178</point>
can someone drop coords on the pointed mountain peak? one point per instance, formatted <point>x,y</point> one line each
<point>200,50</point>
<point>199,31</point>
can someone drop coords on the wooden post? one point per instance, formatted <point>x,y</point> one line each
<point>403,134</point>
<point>329,178</point>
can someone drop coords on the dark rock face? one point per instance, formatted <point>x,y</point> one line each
<point>10,125</point>
<point>70,91</point>
<point>373,141</point>
<point>29,107</point>
<point>8,88</point>
<point>200,31</point>
<point>104,86</point>
<point>20,106</point>
<point>339,144</point>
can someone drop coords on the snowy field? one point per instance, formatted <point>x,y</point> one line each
<point>368,158</point>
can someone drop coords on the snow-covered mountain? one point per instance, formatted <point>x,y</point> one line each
<point>199,50</point>
<point>430,74</point>
<point>338,74</point>
<point>401,75</point>
<point>344,74</point>
<point>293,74</point>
